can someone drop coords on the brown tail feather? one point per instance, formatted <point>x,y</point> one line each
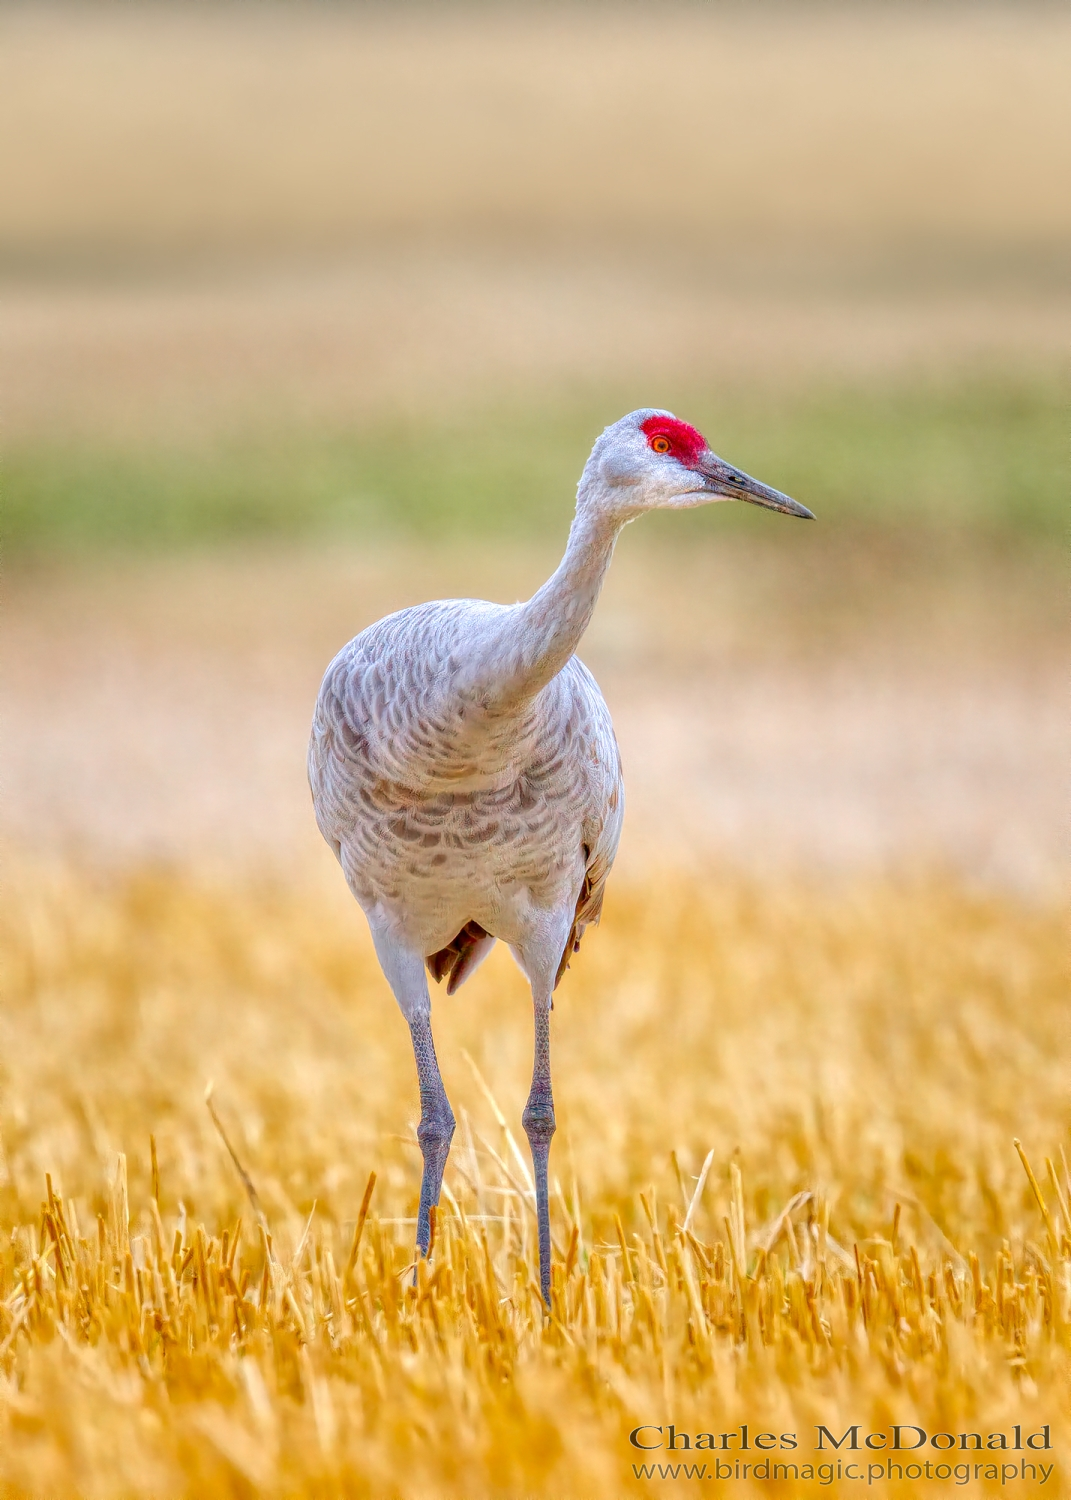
<point>457,960</point>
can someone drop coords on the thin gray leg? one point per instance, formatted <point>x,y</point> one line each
<point>436,1128</point>
<point>538,1122</point>
<point>404,969</point>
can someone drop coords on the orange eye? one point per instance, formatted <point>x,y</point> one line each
<point>660,444</point>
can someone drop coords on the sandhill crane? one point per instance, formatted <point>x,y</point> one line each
<point>465,772</point>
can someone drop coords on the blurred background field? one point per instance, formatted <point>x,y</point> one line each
<point>319,267</point>
<point>308,312</point>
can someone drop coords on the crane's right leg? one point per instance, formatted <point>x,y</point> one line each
<point>405,974</point>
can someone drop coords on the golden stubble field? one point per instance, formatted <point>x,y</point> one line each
<point>863,1245</point>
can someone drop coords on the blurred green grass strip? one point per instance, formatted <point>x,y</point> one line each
<point>984,456</point>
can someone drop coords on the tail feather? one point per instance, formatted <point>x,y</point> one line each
<point>460,957</point>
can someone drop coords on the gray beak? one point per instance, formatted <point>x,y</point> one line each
<point>720,478</point>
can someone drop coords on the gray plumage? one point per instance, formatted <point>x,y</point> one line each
<point>450,809</point>
<point>464,770</point>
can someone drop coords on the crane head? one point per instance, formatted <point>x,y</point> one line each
<point>650,460</point>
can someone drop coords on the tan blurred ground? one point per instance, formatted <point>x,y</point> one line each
<point>223,216</point>
<point>892,712</point>
<point>418,332</point>
<point>889,130</point>
<point>230,219</point>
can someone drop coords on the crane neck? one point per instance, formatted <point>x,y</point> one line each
<point>544,632</point>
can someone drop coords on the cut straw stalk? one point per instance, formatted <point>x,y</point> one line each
<point>1039,1196</point>
<point>247,1181</point>
<point>358,1230</point>
<point>698,1194</point>
<point>518,1155</point>
<point>1065,1210</point>
<point>737,1217</point>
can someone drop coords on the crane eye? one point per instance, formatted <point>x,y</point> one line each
<point>660,444</point>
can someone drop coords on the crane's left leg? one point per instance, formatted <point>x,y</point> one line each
<point>538,1122</point>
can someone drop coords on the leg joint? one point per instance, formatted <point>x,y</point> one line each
<point>538,1118</point>
<point>436,1129</point>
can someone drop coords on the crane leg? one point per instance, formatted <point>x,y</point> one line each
<point>404,971</point>
<point>538,1122</point>
<point>436,1128</point>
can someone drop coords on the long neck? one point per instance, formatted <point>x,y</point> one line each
<point>542,635</point>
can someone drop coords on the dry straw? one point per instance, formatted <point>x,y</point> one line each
<point>851,1240</point>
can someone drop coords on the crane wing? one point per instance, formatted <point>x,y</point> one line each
<point>604,828</point>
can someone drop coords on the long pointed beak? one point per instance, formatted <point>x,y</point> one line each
<point>720,478</point>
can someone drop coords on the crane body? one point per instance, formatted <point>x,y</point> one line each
<point>465,773</point>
